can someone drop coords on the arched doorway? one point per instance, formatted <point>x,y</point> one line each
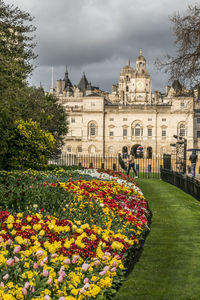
<point>149,152</point>
<point>138,150</point>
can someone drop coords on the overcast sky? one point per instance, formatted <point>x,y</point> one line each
<point>98,36</point>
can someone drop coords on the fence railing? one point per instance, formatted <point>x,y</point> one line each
<point>186,183</point>
<point>146,167</point>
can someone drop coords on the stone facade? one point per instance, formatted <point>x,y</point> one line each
<point>130,116</point>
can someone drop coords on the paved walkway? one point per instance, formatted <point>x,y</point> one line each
<point>169,267</point>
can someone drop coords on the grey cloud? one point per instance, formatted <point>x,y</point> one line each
<point>97,36</point>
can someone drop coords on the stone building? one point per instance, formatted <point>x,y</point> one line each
<point>130,116</point>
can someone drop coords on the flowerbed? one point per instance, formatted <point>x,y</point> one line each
<point>79,251</point>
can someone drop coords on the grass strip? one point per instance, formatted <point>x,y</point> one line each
<point>169,267</point>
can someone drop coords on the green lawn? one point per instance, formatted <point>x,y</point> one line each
<point>169,267</point>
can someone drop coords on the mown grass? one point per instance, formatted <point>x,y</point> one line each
<point>169,267</point>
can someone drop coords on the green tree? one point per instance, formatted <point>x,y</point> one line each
<point>16,50</point>
<point>184,65</point>
<point>46,110</point>
<point>17,100</point>
<point>29,146</point>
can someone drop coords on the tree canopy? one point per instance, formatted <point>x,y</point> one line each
<point>18,101</point>
<point>185,64</point>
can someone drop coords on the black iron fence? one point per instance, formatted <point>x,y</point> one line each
<point>145,167</point>
<point>186,183</point>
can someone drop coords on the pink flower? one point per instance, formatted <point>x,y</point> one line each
<point>1,239</point>
<point>103,258</point>
<point>47,297</point>
<point>62,298</point>
<point>114,264</point>
<point>17,249</point>
<point>82,291</point>
<point>97,263</point>
<point>35,266</point>
<point>49,281</point>
<point>53,255</point>
<point>31,186</point>
<point>60,279</point>
<point>5,277</point>
<point>39,253</point>
<point>85,266</point>
<point>106,268</point>
<point>61,273</point>
<point>67,261</point>
<point>1,284</point>
<point>33,290</point>
<point>16,259</point>
<point>102,273</point>
<point>75,258</point>
<point>26,286</point>
<point>41,264</point>
<point>24,291</point>
<point>107,253</point>
<point>86,280</point>
<point>86,286</point>
<point>10,262</point>
<point>9,242</point>
<point>45,259</point>
<point>113,269</point>
<point>45,273</point>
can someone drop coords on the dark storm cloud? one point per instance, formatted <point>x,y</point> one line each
<point>97,36</point>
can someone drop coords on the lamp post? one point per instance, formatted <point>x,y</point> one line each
<point>181,146</point>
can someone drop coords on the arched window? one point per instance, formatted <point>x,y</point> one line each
<point>92,129</point>
<point>138,130</point>
<point>182,130</point>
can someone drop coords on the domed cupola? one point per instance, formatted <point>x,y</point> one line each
<point>127,70</point>
<point>141,65</point>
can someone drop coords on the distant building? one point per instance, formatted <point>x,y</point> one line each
<point>130,116</point>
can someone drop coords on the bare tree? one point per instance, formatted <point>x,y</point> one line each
<point>185,64</point>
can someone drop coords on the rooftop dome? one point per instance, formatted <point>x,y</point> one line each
<point>127,69</point>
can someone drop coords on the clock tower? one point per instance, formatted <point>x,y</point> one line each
<point>142,81</point>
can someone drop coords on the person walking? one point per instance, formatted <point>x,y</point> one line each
<point>193,159</point>
<point>131,164</point>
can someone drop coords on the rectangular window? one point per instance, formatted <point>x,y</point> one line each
<point>69,149</point>
<point>72,120</point>
<point>111,119</point>
<point>124,119</point>
<point>164,133</point>
<point>163,119</point>
<point>149,131</point>
<point>149,119</point>
<point>92,131</point>
<point>182,104</point>
<point>198,120</point>
<point>198,134</point>
<point>124,131</point>
<point>137,131</point>
<point>79,149</point>
<point>111,133</point>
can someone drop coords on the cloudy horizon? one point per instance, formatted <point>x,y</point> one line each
<point>98,36</point>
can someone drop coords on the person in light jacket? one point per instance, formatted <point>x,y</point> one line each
<point>131,164</point>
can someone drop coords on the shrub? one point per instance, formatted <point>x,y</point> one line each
<point>29,147</point>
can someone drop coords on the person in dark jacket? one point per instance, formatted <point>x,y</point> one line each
<point>193,159</point>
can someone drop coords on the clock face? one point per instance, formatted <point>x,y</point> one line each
<point>140,84</point>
